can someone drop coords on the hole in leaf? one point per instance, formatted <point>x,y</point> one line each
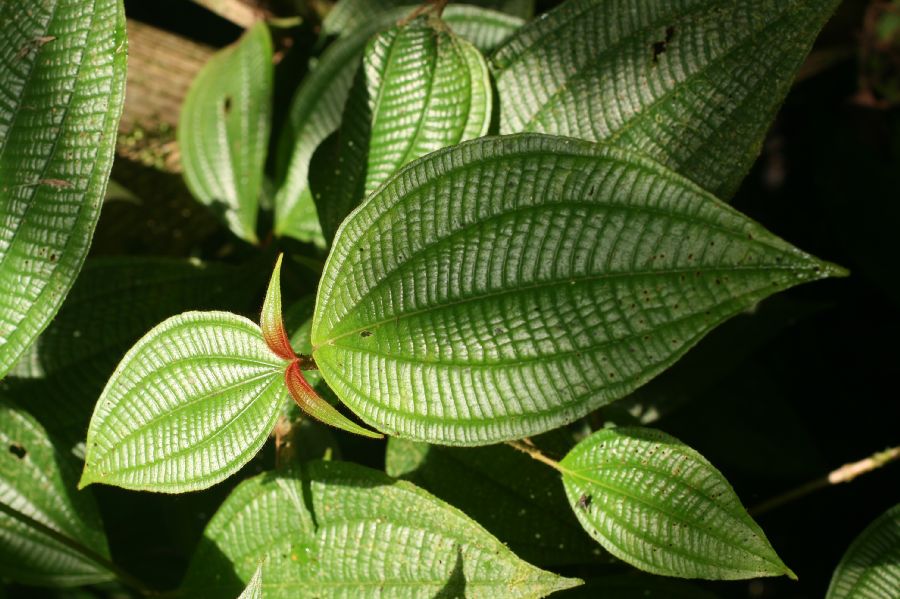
<point>18,451</point>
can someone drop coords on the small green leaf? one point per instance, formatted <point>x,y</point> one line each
<point>657,504</point>
<point>511,495</point>
<point>50,535</point>
<point>223,130</point>
<point>506,286</point>
<point>420,88</point>
<point>693,84</point>
<point>190,404</point>
<point>343,530</point>
<point>271,322</point>
<point>871,567</point>
<point>319,102</point>
<point>62,85</point>
<point>254,588</point>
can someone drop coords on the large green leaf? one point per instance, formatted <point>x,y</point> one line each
<point>112,304</point>
<point>189,404</point>
<point>871,567</point>
<point>657,504</point>
<point>513,496</point>
<point>636,586</point>
<point>343,530</point>
<point>62,83</point>
<point>317,107</point>
<point>420,88</point>
<point>223,130</point>
<point>691,83</point>
<point>505,286</point>
<point>49,533</point>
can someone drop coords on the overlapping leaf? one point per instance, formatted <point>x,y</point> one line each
<point>871,567</point>
<point>62,82</point>
<point>50,535</point>
<point>346,531</point>
<point>636,586</point>
<point>190,403</point>
<point>506,286</point>
<point>514,497</point>
<point>253,589</point>
<point>223,130</point>
<point>693,84</point>
<point>659,505</point>
<point>317,107</point>
<point>420,88</point>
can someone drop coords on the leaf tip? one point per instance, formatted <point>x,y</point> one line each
<point>271,321</point>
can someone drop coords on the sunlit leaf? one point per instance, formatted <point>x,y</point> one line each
<point>871,567</point>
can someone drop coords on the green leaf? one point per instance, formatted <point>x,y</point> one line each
<point>112,304</point>
<point>511,495</point>
<point>190,404</point>
<point>317,107</point>
<point>253,589</point>
<point>506,286</point>
<point>343,530</point>
<point>223,130</point>
<point>636,586</point>
<point>694,84</point>
<point>871,567</point>
<point>420,88</point>
<point>62,83</point>
<point>50,535</point>
<point>657,504</point>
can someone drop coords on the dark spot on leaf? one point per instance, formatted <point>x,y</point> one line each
<point>660,46</point>
<point>366,334</point>
<point>584,502</point>
<point>226,105</point>
<point>18,451</point>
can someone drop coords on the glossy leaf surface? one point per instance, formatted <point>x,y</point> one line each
<point>223,130</point>
<point>348,531</point>
<point>871,567</point>
<point>657,504</point>
<point>62,83</point>
<point>190,403</point>
<point>693,84</point>
<point>506,286</point>
<point>50,534</point>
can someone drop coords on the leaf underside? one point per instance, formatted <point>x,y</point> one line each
<point>659,505</point>
<point>342,530</point>
<point>62,83</point>
<point>48,532</point>
<point>871,567</point>
<point>506,286</point>
<point>189,404</point>
<point>693,84</point>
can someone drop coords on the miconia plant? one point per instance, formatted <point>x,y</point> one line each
<point>487,229</point>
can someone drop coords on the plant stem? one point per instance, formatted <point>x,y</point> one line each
<point>844,474</point>
<point>526,446</point>
<point>306,362</point>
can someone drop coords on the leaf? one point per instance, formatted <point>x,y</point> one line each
<point>223,130</point>
<point>62,83</point>
<point>693,84</point>
<point>49,534</point>
<point>190,403</point>
<point>343,530</point>
<point>420,88</point>
<point>630,586</point>
<point>511,495</point>
<point>657,504</point>
<point>112,304</point>
<point>507,286</point>
<point>871,567</point>
<point>349,15</point>
<point>317,107</point>
<point>254,587</point>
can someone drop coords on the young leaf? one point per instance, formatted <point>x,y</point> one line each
<point>506,286</point>
<point>318,105</point>
<point>420,88</point>
<point>62,83</point>
<point>657,504</point>
<point>190,404</point>
<point>50,535</point>
<point>511,495</point>
<point>223,130</point>
<point>871,567</point>
<point>693,84</point>
<point>270,321</point>
<point>347,531</point>
<point>112,304</point>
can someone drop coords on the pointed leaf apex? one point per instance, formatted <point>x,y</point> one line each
<point>318,408</point>
<point>271,322</point>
